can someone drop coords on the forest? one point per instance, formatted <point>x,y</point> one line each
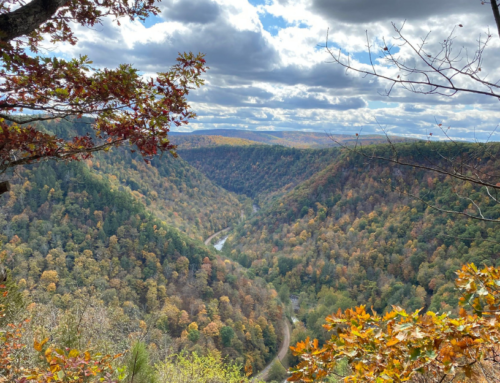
<point>109,252</point>
<point>343,238</point>
<point>86,252</point>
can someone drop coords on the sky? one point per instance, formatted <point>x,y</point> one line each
<point>269,69</point>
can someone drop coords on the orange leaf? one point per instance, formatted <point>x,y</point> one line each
<point>39,345</point>
<point>392,342</point>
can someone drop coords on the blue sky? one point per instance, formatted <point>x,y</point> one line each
<point>270,71</point>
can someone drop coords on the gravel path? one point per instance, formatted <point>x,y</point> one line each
<point>207,242</point>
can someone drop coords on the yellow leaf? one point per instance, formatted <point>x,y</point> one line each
<point>392,342</point>
<point>39,345</point>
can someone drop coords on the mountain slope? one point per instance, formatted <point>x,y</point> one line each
<point>342,238</point>
<point>170,188</point>
<point>69,233</point>
<point>173,190</point>
<point>258,171</point>
<point>191,141</point>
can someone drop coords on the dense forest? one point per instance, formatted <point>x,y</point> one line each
<point>344,238</point>
<point>361,245</point>
<point>71,237</point>
<point>258,171</point>
<point>109,251</point>
<point>177,193</point>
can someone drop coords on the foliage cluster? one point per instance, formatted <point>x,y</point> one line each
<point>129,108</point>
<point>401,346</point>
<point>199,369</point>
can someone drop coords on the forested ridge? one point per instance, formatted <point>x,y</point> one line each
<point>292,139</point>
<point>189,141</point>
<point>258,171</point>
<point>344,238</point>
<point>176,192</point>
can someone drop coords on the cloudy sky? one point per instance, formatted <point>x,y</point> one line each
<point>270,71</point>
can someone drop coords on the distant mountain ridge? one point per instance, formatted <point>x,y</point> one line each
<point>296,139</point>
<point>196,142</point>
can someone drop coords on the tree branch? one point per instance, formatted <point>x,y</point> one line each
<point>28,18</point>
<point>62,156</point>
<point>26,120</point>
<point>496,14</point>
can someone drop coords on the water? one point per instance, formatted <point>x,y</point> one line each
<point>220,243</point>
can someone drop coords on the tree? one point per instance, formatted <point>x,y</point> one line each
<point>138,368</point>
<point>226,335</point>
<point>55,364</point>
<point>128,109</point>
<point>403,346</point>
<point>200,369</point>
<point>284,294</point>
<point>277,372</point>
<point>440,72</point>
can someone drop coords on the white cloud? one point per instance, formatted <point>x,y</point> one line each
<point>264,80</point>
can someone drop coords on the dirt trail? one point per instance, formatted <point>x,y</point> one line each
<point>281,353</point>
<point>207,242</point>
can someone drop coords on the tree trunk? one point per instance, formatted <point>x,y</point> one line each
<point>496,14</point>
<point>28,18</point>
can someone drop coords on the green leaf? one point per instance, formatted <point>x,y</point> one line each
<point>415,353</point>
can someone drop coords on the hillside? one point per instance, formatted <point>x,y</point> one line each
<point>295,139</point>
<point>258,171</point>
<point>117,242</point>
<point>170,188</point>
<point>173,190</point>
<point>342,238</point>
<point>72,238</point>
<point>189,141</point>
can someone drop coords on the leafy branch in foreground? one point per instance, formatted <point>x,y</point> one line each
<point>401,346</point>
<point>128,108</point>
